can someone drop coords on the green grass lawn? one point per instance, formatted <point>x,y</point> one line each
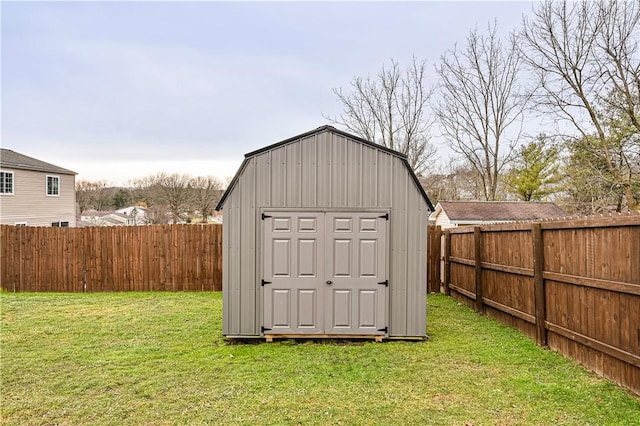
<point>159,358</point>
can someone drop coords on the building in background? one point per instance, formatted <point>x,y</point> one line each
<point>450,214</point>
<point>35,193</point>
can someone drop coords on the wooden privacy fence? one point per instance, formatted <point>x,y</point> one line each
<point>573,285</point>
<point>97,259</point>
<point>434,255</point>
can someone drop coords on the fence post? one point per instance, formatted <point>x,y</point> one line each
<point>538,284</point>
<point>428,258</point>
<point>447,263</point>
<point>433,258</point>
<point>477,244</point>
<point>438,275</point>
<point>20,248</point>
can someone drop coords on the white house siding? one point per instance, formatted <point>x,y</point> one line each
<point>30,202</point>
<point>443,220</point>
<point>325,171</point>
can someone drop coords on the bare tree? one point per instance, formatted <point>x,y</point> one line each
<point>480,108</point>
<point>157,215</point>
<point>206,192</point>
<point>585,58</point>
<point>174,191</point>
<point>617,56</point>
<point>144,190</point>
<point>84,195</point>
<point>98,194</point>
<point>104,191</point>
<point>226,182</point>
<point>593,187</point>
<point>391,110</point>
<point>457,181</point>
<point>557,45</point>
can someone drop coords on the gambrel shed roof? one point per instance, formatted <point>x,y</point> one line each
<point>312,133</point>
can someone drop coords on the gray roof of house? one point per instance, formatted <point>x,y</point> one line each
<point>500,210</point>
<point>14,160</point>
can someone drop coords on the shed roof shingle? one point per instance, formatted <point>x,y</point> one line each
<point>500,210</point>
<point>14,160</point>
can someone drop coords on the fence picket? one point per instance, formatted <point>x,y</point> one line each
<point>102,259</point>
<point>538,283</point>
<point>582,281</point>
<point>574,285</point>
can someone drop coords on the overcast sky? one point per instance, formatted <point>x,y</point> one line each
<point>119,90</point>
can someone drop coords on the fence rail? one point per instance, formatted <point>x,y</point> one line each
<point>102,259</point>
<point>571,285</point>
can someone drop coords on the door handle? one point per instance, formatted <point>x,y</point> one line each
<point>329,282</point>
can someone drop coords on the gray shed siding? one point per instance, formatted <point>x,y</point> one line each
<point>324,171</point>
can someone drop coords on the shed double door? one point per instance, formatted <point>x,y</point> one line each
<point>324,273</point>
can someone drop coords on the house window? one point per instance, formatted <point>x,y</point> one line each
<point>53,185</point>
<point>60,224</point>
<point>6,183</point>
<point>20,224</point>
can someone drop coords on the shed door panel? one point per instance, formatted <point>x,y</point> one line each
<point>293,255</point>
<point>355,302</point>
<point>324,272</point>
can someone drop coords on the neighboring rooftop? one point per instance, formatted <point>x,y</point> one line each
<point>14,160</point>
<point>94,213</point>
<point>500,210</point>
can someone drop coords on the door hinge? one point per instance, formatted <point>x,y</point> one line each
<point>383,329</point>
<point>384,283</point>
<point>263,329</point>
<point>263,283</point>
<point>264,216</point>
<point>386,216</point>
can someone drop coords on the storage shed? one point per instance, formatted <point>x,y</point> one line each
<point>324,236</point>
